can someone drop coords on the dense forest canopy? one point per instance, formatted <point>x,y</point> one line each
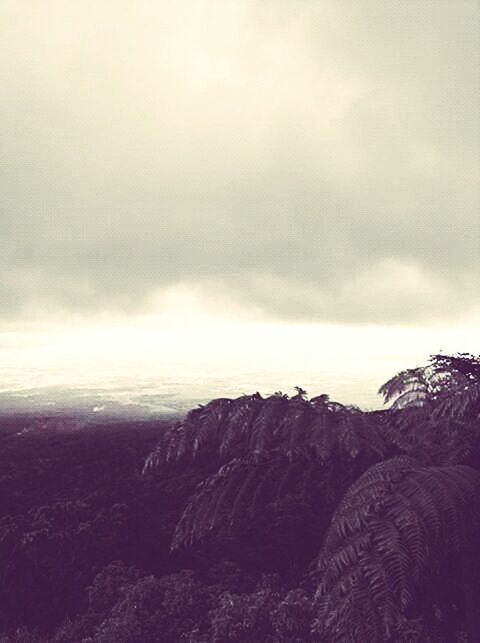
<point>281,519</point>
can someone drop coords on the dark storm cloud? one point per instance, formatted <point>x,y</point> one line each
<point>316,160</point>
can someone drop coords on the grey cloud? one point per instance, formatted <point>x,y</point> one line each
<point>316,160</point>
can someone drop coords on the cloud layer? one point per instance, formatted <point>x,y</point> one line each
<point>312,160</point>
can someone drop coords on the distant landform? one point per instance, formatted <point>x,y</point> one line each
<point>122,396</point>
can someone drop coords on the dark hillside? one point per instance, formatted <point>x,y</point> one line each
<point>255,519</point>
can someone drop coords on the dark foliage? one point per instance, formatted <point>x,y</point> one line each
<point>448,383</point>
<point>250,424</point>
<point>275,519</point>
<point>400,532</point>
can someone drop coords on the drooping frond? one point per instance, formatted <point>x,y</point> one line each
<point>242,415</point>
<point>463,404</point>
<point>387,541</point>
<point>443,376</point>
<point>407,388</point>
<point>436,410</point>
<point>252,424</point>
<point>249,497</point>
<point>446,432</point>
<point>460,367</point>
<point>240,493</point>
<point>203,427</point>
<point>265,424</point>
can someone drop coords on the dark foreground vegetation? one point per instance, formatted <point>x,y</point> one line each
<point>256,519</point>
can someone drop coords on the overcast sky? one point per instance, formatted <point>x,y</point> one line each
<point>288,160</point>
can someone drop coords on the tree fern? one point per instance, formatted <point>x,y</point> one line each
<point>250,424</point>
<point>446,433</point>
<point>204,428</point>
<point>387,543</point>
<point>236,493</point>
<point>443,376</point>
<point>463,404</point>
<point>410,387</point>
<point>271,503</point>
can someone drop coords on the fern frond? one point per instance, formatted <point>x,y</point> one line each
<point>251,424</point>
<point>406,388</point>
<point>241,492</point>
<point>463,404</point>
<point>390,533</point>
<point>201,428</point>
<point>442,377</point>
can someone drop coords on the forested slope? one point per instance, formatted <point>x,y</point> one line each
<point>277,518</point>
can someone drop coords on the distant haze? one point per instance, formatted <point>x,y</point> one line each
<point>238,187</point>
<point>198,355</point>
